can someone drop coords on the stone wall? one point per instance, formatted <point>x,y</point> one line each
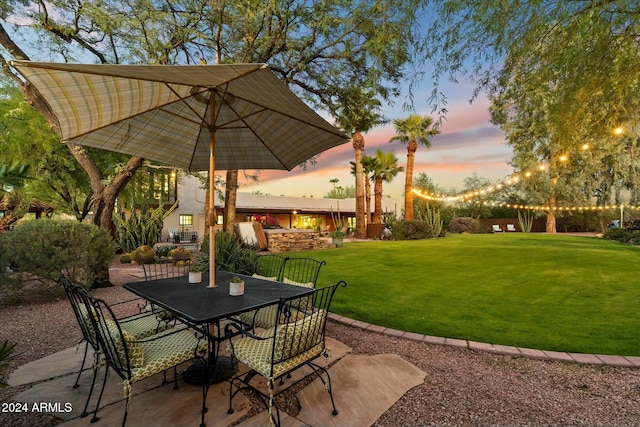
<point>282,240</point>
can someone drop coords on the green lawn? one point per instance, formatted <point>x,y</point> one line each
<point>552,292</point>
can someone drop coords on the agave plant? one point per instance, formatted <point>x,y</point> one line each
<point>7,353</point>
<point>141,228</point>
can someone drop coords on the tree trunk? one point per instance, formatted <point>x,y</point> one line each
<point>377,196</point>
<point>408,183</point>
<point>104,196</point>
<point>358,146</point>
<point>367,190</point>
<point>551,216</point>
<point>230,198</point>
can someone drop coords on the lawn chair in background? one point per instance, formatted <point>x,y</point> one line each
<point>496,228</point>
<point>136,359</point>
<point>511,227</point>
<point>296,340</point>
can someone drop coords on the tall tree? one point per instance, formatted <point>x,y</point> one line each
<point>318,48</point>
<point>412,131</point>
<point>386,168</point>
<point>357,113</point>
<point>560,74</point>
<point>368,168</point>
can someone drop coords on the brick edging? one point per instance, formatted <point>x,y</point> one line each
<point>588,359</point>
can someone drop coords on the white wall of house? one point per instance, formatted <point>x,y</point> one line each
<point>192,202</point>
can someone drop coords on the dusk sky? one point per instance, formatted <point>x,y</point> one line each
<point>468,143</point>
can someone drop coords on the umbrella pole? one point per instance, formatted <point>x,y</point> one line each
<point>212,189</point>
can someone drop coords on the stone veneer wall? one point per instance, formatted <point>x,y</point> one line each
<point>295,240</point>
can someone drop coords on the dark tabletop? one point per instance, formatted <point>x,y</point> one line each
<point>199,304</point>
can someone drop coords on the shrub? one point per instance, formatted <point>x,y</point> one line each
<point>42,250</point>
<point>410,230</point>
<point>464,224</point>
<point>623,235</point>
<point>229,253</point>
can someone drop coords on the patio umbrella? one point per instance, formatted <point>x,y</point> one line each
<point>233,116</point>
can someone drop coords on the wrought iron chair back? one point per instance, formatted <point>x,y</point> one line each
<point>165,270</point>
<point>302,271</point>
<point>296,340</point>
<point>134,360</point>
<point>81,307</point>
<point>270,266</point>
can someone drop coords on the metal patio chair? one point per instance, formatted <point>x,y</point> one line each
<point>295,271</point>
<point>269,266</point>
<point>302,271</point>
<point>136,359</point>
<point>139,326</point>
<point>297,339</point>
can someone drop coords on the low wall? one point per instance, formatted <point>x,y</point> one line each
<point>289,240</point>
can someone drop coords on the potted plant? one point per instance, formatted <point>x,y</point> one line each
<point>198,265</point>
<point>236,286</point>
<point>337,236</point>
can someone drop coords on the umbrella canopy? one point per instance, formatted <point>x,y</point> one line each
<point>162,113</point>
<point>233,116</point>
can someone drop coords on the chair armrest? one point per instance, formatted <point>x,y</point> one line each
<point>241,328</point>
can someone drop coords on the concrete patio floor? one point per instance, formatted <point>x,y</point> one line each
<point>364,387</point>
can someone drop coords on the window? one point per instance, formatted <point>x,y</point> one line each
<point>185,220</point>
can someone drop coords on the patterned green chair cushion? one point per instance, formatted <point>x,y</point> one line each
<point>143,326</point>
<point>298,337</point>
<point>136,352</point>
<point>258,276</point>
<point>169,350</point>
<point>293,282</point>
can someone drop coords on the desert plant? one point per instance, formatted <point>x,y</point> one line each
<point>141,228</point>
<point>42,250</point>
<point>340,228</point>
<point>526,221</point>
<point>431,217</point>
<point>144,254</point>
<point>229,254</point>
<point>125,258</point>
<point>179,255</point>
<point>7,353</point>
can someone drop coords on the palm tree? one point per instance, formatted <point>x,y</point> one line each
<point>411,131</point>
<point>386,169</point>
<point>357,113</point>
<point>368,166</point>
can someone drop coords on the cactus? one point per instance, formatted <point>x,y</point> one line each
<point>144,254</point>
<point>125,258</point>
<point>180,255</point>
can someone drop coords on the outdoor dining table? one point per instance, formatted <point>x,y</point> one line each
<point>204,308</point>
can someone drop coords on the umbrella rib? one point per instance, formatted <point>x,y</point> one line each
<point>333,130</point>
